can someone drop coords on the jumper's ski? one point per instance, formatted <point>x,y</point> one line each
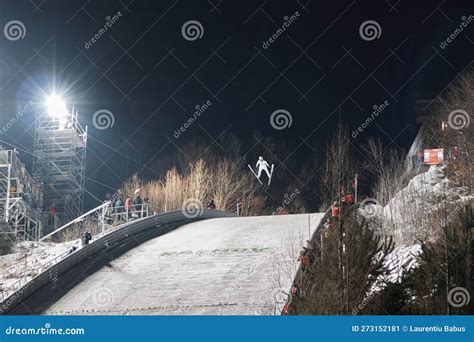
<point>255,174</point>
<point>271,174</point>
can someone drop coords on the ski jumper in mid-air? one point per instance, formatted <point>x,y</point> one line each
<point>262,165</point>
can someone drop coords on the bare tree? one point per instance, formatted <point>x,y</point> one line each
<point>340,168</point>
<point>224,181</point>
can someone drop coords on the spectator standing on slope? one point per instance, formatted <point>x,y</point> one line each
<point>211,205</point>
<point>128,207</point>
<point>119,208</point>
<point>138,203</point>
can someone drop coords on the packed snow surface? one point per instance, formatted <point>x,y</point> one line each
<point>423,192</point>
<point>224,266</point>
<point>28,256</point>
<point>406,215</point>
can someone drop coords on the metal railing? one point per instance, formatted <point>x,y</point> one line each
<point>94,212</point>
<point>106,216</point>
<point>125,214</point>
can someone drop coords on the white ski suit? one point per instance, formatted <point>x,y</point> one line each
<point>262,165</point>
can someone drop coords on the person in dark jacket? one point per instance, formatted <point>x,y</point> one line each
<point>119,205</point>
<point>211,205</point>
<point>119,208</point>
<point>86,238</point>
<point>137,203</point>
<point>146,200</point>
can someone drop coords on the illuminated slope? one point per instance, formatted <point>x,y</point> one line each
<point>219,266</point>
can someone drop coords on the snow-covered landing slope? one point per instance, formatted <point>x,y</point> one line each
<point>225,266</point>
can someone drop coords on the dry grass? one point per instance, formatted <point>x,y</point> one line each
<point>224,182</point>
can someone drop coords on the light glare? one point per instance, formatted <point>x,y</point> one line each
<point>56,107</point>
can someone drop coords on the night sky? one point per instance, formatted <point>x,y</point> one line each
<point>150,78</point>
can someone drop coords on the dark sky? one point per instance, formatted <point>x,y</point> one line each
<point>151,78</point>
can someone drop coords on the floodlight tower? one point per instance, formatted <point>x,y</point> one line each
<point>59,160</point>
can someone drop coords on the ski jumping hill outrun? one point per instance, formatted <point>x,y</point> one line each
<point>223,266</point>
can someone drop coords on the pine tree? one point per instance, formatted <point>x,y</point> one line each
<point>364,257</point>
<point>444,265</point>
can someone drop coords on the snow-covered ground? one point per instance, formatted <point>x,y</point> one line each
<point>422,193</point>
<point>28,256</point>
<point>403,258</point>
<point>411,213</point>
<point>225,266</point>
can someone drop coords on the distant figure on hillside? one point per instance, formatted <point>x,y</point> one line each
<point>211,205</point>
<point>118,208</point>
<point>73,249</point>
<point>108,197</point>
<point>335,210</point>
<point>304,259</point>
<point>138,203</point>
<point>119,205</point>
<point>86,238</point>
<point>129,207</point>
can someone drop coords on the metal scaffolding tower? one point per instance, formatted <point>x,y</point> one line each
<point>59,163</point>
<point>21,199</point>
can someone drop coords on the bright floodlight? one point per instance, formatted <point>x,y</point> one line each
<point>56,107</point>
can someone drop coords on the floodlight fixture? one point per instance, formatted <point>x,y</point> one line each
<point>56,107</point>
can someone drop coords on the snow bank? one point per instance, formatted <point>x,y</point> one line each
<point>28,256</point>
<point>409,212</point>
<point>402,259</point>
<point>422,192</point>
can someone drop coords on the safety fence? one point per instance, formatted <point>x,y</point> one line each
<point>103,218</point>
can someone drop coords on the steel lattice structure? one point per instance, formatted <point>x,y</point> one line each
<point>59,163</point>
<point>20,199</point>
